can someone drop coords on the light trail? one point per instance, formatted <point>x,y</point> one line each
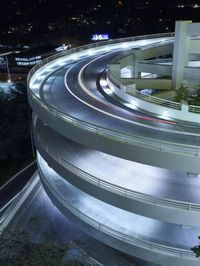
<point>121,118</point>
<point>111,105</point>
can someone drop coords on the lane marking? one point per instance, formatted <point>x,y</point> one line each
<point>115,116</point>
<point>80,80</point>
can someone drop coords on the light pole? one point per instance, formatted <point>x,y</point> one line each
<point>8,71</point>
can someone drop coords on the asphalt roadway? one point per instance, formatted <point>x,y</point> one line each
<point>11,188</point>
<point>69,98</point>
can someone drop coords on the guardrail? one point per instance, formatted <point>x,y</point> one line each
<point>145,47</point>
<point>194,109</point>
<point>118,136</point>
<point>152,99</point>
<point>127,193</point>
<point>142,96</point>
<point>156,100</point>
<point>157,61</point>
<point>178,252</point>
<point>108,133</point>
<point>93,45</point>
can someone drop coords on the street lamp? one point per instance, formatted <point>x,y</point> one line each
<point>8,71</point>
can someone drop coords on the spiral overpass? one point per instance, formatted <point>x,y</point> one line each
<point>122,175</point>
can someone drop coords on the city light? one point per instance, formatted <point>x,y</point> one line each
<point>100,37</point>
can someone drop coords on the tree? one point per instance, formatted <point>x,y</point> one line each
<point>15,140</point>
<point>196,249</point>
<point>17,249</point>
<point>182,93</point>
<point>195,98</point>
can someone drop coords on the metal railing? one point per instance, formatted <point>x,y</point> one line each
<point>194,109</point>
<point>144,47</point>
<point>106,132</point>
<point>93,45</point>
<point>119,190</point>
<point>157,61</point>
<point>156,100</point>
<point>133,240</point>
<point>152,99</point>
<point>118,136</point>
<point>149,98</point>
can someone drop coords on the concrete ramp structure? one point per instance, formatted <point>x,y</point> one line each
<point>128,178</point>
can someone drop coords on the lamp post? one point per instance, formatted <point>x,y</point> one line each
<point>8,71</point>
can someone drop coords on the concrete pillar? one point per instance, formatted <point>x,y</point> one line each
<point>131,89</point>
<point>184,107</point>
<point>137,59</point>
<point>180,53</point>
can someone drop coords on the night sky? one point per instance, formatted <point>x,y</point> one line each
<point>25,21</point>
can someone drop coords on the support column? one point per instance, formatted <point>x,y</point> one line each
<point>137,59</point>
<point>181,52</point>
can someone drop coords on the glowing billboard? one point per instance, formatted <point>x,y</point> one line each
<point>100,37</point>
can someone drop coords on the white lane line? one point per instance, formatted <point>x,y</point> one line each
<point>112,115</point>
<point>104,112</point>
<point>92,95</point>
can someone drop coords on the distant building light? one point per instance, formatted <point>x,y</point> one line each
<point>181,6</point>
<point>25,61</point>
<point>100,37</point>
<point>32,63</point>
<point>196,6</point>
